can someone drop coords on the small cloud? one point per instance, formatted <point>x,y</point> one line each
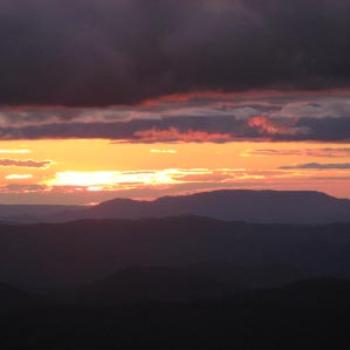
<point>15,151</point>
<point>22,188</point>
<point>327,152</point>
<point>163,151</point>
<point>174,135</point>
<point>317,166</point>
<point>18,176</point>
<point>266,125</point>
<point>28,163</point>
<point>269,152</point>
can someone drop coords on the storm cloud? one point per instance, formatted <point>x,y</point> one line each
<point>108,52</point>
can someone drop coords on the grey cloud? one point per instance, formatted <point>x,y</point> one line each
<point>103,52</point>
<point>174,129</point>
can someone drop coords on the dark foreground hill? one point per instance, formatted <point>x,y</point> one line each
<point>183,284</point>
<point>15,299</point>
<point>70,254</point>
<point>239,205</point>
<point>221,285</point>
<point>306,315</point>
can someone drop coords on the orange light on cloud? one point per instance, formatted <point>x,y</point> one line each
<point>175,135</point>
<point>266,125</point>
<point>251,94</point>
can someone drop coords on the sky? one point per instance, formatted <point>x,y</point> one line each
<point>140,99</point>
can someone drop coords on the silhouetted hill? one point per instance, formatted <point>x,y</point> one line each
<point>78,252</point>
<point>195,282</point>
<point>148,284</point>
<point>294,207</point>
<point>238,205</point>
<point>33,213</point>
<point>312,314</point>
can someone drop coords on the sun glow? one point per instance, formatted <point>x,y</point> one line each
<point>84,171</point>
<point>98,180</point>
<point>18,176</point>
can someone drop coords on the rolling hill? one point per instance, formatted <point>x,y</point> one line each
<point>236,205</point>
<point>72,253</point>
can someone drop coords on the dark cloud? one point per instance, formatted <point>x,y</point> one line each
<point>102,52</point>
<point>318,166</point>
<point>191,129</point>
<point>28,163</point>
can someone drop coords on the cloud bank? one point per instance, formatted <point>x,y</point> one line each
<point>107,52</point>
<point>191,129</point>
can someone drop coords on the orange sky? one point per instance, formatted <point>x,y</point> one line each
<point>179,97</point>
<point>176,144</point>
<point>46,171</point>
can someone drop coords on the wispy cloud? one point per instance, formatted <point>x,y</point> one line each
<point>318,166</point>
<point>15,151</point>
<point>327,152</point>
<point>211,117</point>
<point>122,180</point>
<point>269,126</point>
<point>191,129</point>
<point>28,163</point>
<point>163,151</point>
<point>95,186</point>
<point>175,135</point>
<point>98,180</point>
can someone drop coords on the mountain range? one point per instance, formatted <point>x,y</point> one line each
<point>74,253</point>
<point>216,270</point>
<point>304,315</point>
<point>293,207</point>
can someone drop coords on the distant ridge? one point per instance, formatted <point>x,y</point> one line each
<point>293,207</point>
<point>32,213</point>
<point>55,255</point>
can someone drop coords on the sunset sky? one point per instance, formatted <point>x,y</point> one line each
<point>140,99</point>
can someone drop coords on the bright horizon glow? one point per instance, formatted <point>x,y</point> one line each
<point>177,144</point>
<point>134,171</point>
<point>103,179</point>
<point>107,178</point>
<point>85,171</point>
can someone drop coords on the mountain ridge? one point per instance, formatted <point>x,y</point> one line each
<point>256,206</point>
<point>63,254</point>
<point>265,206</point>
